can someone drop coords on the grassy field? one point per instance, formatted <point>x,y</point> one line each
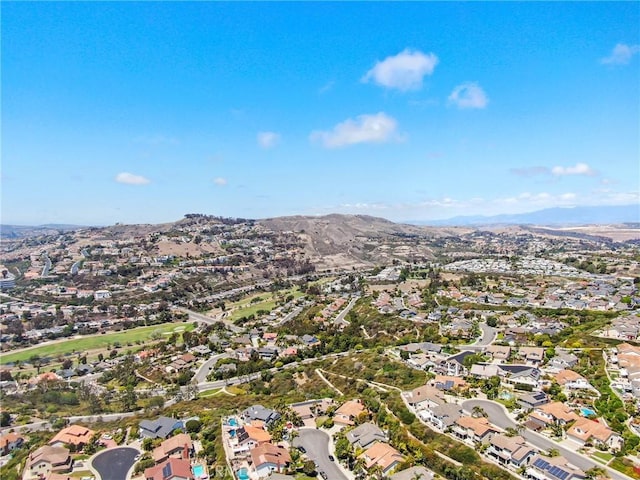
<point>248,306</point>
<point>95,342</point>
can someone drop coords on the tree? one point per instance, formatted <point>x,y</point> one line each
<point>5,419</point>
<point>309,468</point>
<point>193,426</point>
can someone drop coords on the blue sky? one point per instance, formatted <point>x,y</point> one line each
<point>142,112</point>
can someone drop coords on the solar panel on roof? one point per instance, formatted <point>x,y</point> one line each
<point>166,471</point>
<point>540,463</point>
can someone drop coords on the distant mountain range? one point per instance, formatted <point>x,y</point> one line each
<point>21,231</point>
<point>549,216</point>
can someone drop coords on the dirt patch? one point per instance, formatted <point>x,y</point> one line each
<point>300,378</point>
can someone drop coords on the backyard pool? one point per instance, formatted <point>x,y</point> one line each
<point>233,422</point>
<point>587,412</point>
<point>243,474</point>
<point>198,471</point>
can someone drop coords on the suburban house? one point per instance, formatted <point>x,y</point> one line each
<point>447,383</point>
<point>47,460</point>
<point>75,435</point>
<point>473,429</point>
<point>249,437</point>
<point>510,451</point>
<point>553,468</point>
<point>161,427</point>
<point>532,400</point>
<point>382,455</point>
<point>532,355</point>
<point>348,412</point>
<point>268,458</point>
<point>454,365</point>
<point>425,397</point>
<point>572,380</point>
<point>441,416</point>
<point>414,473</point>
<point>520,375</point>
<point>586,431</point>
<point>553,413</point>
<point>179,446</point>
<point>498,353</point>
<point>365,435</point>
<point>170,469</point>
<point>9,442</point>
<point>563,360</point>
<point>258,412</point>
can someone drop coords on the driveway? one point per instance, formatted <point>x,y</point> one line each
<point>316,442</point>
<point>114,464</point>
<point>497,416</point>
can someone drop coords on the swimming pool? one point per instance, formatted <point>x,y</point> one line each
<point>587,412</point>
<point>243,474</point>
<point>233,422</point>
<point>198,471</point>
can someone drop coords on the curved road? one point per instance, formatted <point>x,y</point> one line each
<point>498,416</point>
<point>115,463</point>
<point>316,443</point>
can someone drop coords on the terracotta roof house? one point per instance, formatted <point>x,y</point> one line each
<point>249,437</point>
<point>348,412</point>
<point>75,435</point>
<point>585,431</point>
<point>179,446</point>
<point>382,455</point>
<point>572,380</point>
<point>9,442</point>
<point>170,469</point>
<point>47,460</point>
<point>269,458</point>
<point>553,413</point>
<point>474,429</point>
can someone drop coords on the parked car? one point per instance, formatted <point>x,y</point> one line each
<point>331,457</point>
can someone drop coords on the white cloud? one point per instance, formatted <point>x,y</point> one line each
<point>268,140</point>
<point>403,71</point>
<point>621,54</point>
<point>577,169</point>
<point>375,128</point>
<point>220,181</point>
<point>469,95</point>
<point>131,179</point>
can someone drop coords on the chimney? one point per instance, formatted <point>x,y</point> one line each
<point>185,452</point>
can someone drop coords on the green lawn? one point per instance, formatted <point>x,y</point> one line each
<point>94,342</point>
<point>603,456</point>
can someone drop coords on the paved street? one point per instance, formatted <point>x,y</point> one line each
<point>205,368</point>
<point>316,442</point>
<point>498,416</point>
<point>115,463</point>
